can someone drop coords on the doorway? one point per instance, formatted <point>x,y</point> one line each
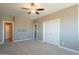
<point>35,31</point>
<point>8,31</point>
<point>51,31</point>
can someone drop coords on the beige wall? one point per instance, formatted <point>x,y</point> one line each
<point>68,26</point>
<point>23,29</point>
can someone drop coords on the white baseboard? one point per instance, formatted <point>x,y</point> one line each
<point>74,51</point>
<point>23,40</point>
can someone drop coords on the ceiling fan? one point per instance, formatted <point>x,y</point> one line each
<point>33,9</point>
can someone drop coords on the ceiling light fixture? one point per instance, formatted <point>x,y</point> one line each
<point>33,9</point>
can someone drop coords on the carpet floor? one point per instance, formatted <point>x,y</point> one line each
<point>32,47</point>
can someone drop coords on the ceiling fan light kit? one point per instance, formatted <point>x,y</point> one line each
<point>33,9</point>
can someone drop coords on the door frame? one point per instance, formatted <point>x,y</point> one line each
<point>12,29</point>
<point>34,30</point>
<point>58,30</point>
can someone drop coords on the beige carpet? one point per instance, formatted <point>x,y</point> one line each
<point>32,47</point>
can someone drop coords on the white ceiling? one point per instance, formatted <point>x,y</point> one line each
<point>14,9</point>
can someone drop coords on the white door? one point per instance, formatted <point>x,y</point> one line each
<point>51,31</point>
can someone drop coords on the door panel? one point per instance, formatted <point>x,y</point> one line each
<point>8,32</point>
<point>51,32</point>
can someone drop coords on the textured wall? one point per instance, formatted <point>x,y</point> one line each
<point>23,29</point>
<point>68,26</point>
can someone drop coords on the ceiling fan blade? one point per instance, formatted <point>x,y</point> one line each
<point>37,13</point>
<point>29,12</point>
<point>25,8</point>
<point>40,9</point>
<point>32,4</point>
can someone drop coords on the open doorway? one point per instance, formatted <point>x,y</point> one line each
<point>35,31</point>
<point>8,27</point>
